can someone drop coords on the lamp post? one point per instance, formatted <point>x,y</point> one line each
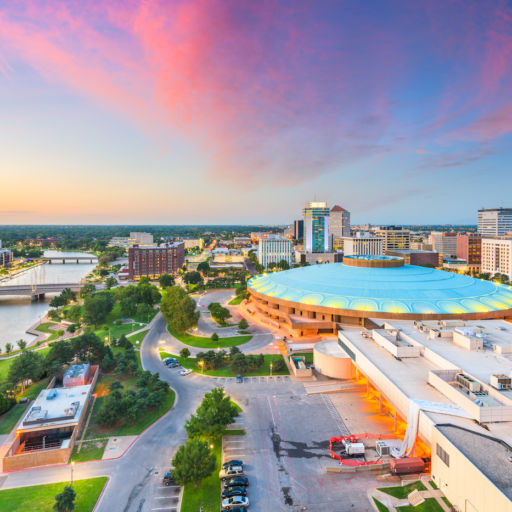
<point>271,369</point>
<point>201,364</point>
<point>72,465</point>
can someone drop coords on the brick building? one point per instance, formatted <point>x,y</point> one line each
<point>469,248</point>
<point>152,262</point>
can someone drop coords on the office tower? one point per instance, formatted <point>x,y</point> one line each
<point>445,243</point>
<point>497,256</point>
<point>274,249</point>
<point>298,229</point>
<point>494,221</point>
<point>395,237</point>
<point>316,227</point>
<point>339,226</point>
<point>469,248</point>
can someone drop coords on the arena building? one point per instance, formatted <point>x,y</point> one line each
<point>315,299</point>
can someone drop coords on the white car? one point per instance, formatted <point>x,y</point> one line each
<point>231,471</point>
<point>235,501</point>
<point>185,371</point>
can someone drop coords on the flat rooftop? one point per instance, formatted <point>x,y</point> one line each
<point>56,406</point>
<point>478,363</point>
<point>491,456</point>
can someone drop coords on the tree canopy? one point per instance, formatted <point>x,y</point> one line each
<point>193,462</point>
<point>178,309</point>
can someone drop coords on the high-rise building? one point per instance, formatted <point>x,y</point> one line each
<point>469,248</point>
<point>298,229</point>
<point>339,222</point>
<point>497,255</point>
<point>445,243</point>
<point>152,262</point>
<point>316,227</point>
<point>362,244</point>
<point>275,249</point>
<point>495,221</point>
<point>5,255</point>
<point>395,237</point>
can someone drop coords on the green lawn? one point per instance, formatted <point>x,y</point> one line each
<point>9,419</point>
<point>203,342</point>
<point>137,337</point>
<point>5,364</point>
<point>402,492</point>
<point>380,506</point>
<point>429,505</point>
<point>123,429</point>
<point>91,450</point>
<point>42,497</point>
<point>225,371</point>
<point>236,301</point>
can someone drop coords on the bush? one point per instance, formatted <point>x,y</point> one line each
<point>278,365</point>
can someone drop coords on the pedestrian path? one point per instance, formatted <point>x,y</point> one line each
<point>275,379</point>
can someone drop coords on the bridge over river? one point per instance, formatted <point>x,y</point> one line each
<point>70,259</point>
<point>38,291</point>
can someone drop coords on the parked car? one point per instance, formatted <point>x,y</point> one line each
<point>233,462</point>
<point>235,501</point>
<point>173,364</point>
<point>185,371</point>
<point>239,481</point>
<point>231,471</point>
<point>235,509</point>
<point>168,360</point>
<point>168,479</point>
<point>227,492</point>
<point>239,378</point>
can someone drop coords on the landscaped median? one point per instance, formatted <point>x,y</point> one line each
<point>42,497</point>
<point>226,371</point>
<point>203,342</point>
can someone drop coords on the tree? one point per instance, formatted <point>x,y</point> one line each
<point>110,282</point>
<point>203,267</point>
<point>178,309</point>
<point>8,348</point>
<point>68,295</point>
<point>243,324</point>
<point>239,363</point>
<point>87,289</point>
<point>22,344</point>
<point>147,293</point>
<point>54,315</point>
<point>57,301</point>
<point>259,268</point>
<point>144,311</point>
<point>166,280</point>
<point>88,347</point>
<point>185,352</point>
<point>97,307</point>
<point>74,313</point>
<point>192,277</point>
<point>283,265</point>
<point>128,306</point>
<point>193,462</point>
<point>27,366</point>
<point>214,337</point>
<point>212,416</point>
<point>61,352</point>
<point>218,312</point>
<point>65,501</point>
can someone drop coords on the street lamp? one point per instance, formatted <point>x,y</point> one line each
<point>271,369</point>
<point>72,465</point>
<point>201,364</point>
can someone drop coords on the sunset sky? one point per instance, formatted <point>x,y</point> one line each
<point>216,112</point>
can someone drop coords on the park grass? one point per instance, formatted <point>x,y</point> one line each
<point>225,371</point>
<point>42,497</point>
<point>91,450</point>
<point>236,301</point>
<point>134,338</point>
<point>401,492</point>
<point>380,506</point>
<point>5,364</point>
<point>429,505</point>
<point>203,342</point>
<point>9,419</point>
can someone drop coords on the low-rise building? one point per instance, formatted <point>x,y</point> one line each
<point>444,242</point>
<point>6,256</point>
<point>48,431</point>
<point>421,258</point>
<point>136,238</point>
<point>275,249</point>
<point>192,243</point>
<point>152,262</point>
<point>469,248</point>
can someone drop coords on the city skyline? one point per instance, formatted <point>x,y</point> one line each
<point>186,113</point>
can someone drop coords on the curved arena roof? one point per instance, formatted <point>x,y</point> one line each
<point>404,290</point>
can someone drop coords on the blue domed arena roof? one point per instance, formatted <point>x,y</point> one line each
<point>407,289</point>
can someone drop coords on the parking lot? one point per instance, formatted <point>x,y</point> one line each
<point>163,498</point>
<point>286,450</point>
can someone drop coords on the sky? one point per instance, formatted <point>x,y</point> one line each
<point>238,112</point>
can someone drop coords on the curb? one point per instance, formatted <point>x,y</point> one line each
<point>100,497</point>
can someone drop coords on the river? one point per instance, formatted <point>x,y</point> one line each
<point>18,313</point>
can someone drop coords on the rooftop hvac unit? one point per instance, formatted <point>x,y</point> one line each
<point>501,381</point>
<point>383,448</point>
<point>467,383</point>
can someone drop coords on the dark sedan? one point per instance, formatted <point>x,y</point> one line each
<point>237,481</point>
<point>234,491</point>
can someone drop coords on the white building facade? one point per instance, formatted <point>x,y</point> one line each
<point>362,244</point>
<point>275,249</point>
<point>497,256</point>
<point>495,221</point>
